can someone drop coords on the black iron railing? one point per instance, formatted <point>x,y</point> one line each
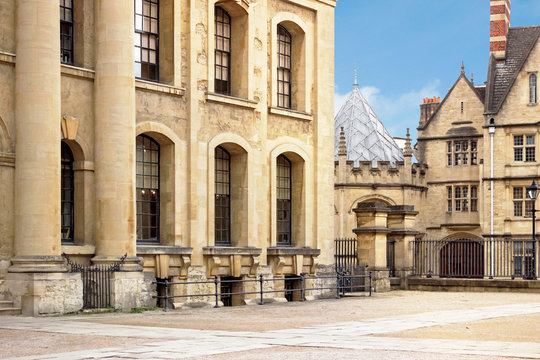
<point>344,283</point>
<point>479,258</point>
<point>96,281</point>
<point>346,256</point>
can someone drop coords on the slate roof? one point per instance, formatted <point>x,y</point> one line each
<point>366,137</point>
<point>501,77</point>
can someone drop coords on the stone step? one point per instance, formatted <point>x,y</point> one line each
<point>10,311</point>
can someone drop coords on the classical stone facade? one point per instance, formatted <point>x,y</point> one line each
<point>477,151</point>
<point>194,137</point>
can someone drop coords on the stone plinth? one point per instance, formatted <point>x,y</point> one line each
<point>132,289</point>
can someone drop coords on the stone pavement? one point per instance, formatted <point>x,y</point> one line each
<point>174,343</point>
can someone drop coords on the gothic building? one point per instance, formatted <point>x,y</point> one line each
<point>476,152</point>
<point>191,139</point>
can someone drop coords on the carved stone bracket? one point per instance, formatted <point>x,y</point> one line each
<point>214,263</point>
<point>69,125</point>
<point>279,263</point>
<point>186,262</point>
<point>255,260</point>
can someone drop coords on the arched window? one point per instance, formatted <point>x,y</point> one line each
<point>66,31</point>
<point>532,89</point>
<point>284,67</point>
<point>223,52</point>
<point>147,39</point>
<point>67,197</point>
<point>222,186</point>
<point>147,189</point>
<point>283,201</point>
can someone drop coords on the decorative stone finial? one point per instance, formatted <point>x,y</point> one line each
<point>407,151</point>
<point>462,67</point>
<point>472,78</point>
<point>355,85</point>
<point>342,148</point>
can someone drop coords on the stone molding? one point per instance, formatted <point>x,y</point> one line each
<point>158,88</point>
<point>295,114</point>
<point>37,264</point>
<point>231,100</point>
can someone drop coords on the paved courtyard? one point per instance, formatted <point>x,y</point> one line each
<point>395,325</point>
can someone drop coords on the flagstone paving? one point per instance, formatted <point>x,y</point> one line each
<point>375,336</point>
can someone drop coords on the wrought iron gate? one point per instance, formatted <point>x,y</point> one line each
<point>96,281</point>
<point>346,260</point>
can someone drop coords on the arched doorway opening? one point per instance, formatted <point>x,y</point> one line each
<point>462,258</point>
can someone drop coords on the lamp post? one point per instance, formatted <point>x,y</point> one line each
<point>532,193</point>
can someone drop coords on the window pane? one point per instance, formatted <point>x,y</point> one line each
<point>518,140</point>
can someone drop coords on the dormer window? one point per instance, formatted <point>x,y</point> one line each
<point>532,89</point>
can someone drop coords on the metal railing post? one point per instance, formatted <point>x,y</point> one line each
<point>301,287</point>
<point>338,277</point>
<point>261,289</point>
<point>370,283</point>
<point>166,308</point>
<point>216,282</point>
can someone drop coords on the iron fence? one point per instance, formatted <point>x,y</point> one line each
<point>481,258</point>
<point>96,281</point>
<point>346,256</point>
<point>344,283</point>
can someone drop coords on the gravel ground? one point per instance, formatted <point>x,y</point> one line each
<point>294,315</point>
<point>26,343</point>
<point>299,353</point>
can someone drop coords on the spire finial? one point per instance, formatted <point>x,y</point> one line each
<point>355,85</point>
<point>342,148</point>
<point>462,67</point>
<point>407,151</point>
<point>472,78</point>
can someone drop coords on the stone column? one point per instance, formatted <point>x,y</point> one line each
<point>37,149</point>
<point>37,278</point>
<point>371,232</point>
<point>114,88</point>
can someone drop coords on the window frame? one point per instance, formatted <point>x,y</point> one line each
<point>461,152</point>
<point>533,89</point>
<point>462,198</point>
<point>284,203</point>
<point>284,70</point>
<point>138,45</point>
<point>224,39</point>
<point>153,190</point>
<point>224,239</point>
<point>522,206</point>
<point>524,151</point>
<point>67,171</point>
<point>64,9</point>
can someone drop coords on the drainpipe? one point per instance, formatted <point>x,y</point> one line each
<point>491,134</point>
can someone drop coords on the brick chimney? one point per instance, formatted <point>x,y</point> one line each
<point>499,22</point>
<point>427,108</point>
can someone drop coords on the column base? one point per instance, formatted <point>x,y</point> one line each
<point>380,280</point>
<point>133,289</point>
<point>49,293</point>
<point>37,264</point>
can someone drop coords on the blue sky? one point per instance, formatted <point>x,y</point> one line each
<point>406,50</point>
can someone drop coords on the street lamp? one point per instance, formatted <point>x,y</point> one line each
<point>532,193</point>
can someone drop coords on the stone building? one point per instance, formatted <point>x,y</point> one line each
<point>193,137</point>
<point>476,152</point>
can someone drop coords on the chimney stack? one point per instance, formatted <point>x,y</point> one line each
<point>499,22</point>
<point>428,108</point>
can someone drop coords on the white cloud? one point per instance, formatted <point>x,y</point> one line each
<point>396,112</point>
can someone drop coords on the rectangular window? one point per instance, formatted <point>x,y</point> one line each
<point>474,198</point>
<point>461,152</point>
<point>524,148</point>
<point>284,68</point>
<point>522,204</point>
<point>146,39</point>
<point>222,24</point>
<point>462,198</point>
<point>66,31</point>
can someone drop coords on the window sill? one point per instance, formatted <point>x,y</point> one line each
<point>77,72</point>
<point>69,249</point>
<point>163,249</point>
<point>7,58</point>
<point>231,100</point>
<point>231,250</point>
<point>300,115</point>
<point>532,104</point>
<point>151,86</point>
<point>287,250</point>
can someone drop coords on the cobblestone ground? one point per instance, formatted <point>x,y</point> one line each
<point>395,325</point>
